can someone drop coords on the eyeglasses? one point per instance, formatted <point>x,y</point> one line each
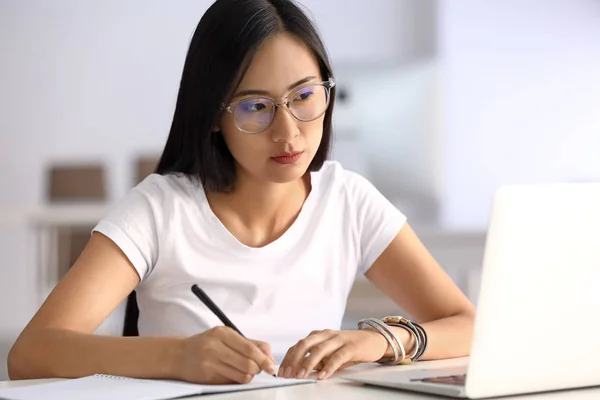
<point>306,103</point>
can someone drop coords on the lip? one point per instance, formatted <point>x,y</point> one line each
<point>287,157</point>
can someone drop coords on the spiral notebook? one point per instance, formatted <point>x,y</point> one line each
<point>102,387</point>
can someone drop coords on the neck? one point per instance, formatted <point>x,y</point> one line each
<point>258,212</point>
<point>257,202</point>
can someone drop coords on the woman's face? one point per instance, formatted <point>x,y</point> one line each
<point>281,68</point>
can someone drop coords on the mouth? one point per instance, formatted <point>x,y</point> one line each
<point>288,158</point>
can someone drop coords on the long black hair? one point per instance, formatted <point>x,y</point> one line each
<point>221,49</point>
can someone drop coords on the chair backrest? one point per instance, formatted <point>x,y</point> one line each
<point>130,326</point>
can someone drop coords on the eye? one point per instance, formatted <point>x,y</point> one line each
<point>305,94</point>
<point>256,107</point>
<point>252,106</point>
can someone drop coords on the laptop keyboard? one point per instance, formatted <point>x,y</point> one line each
<point>458,380</point>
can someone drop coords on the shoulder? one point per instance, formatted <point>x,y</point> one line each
<point>351,183</point>
<point>167,188</point>
<point>363,197</point>
<point>374,218</point>
<point>155,198</point>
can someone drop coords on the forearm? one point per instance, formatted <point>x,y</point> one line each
<point>447,338</point>
<point>50,353</point>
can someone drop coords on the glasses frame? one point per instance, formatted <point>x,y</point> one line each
<point>230,108</point>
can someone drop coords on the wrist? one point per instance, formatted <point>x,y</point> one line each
<point>380,345</point>
<point>173,352</point>
<point>406,339</point>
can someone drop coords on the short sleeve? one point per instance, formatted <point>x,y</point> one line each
<point>132,225</point>
<point>377,219</point>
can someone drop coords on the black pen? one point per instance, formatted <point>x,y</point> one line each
<point>216,310</point>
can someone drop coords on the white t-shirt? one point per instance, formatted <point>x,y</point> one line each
<point>278,293</point>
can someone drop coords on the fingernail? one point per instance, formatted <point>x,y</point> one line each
<point>301,374</point>
<point>271,369</point>
<point>288,372</point>
<point>321,375</point>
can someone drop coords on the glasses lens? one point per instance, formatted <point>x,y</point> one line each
<point>254,115</point>
<point>309,102</point>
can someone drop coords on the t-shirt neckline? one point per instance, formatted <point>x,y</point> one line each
<point>279,245</point>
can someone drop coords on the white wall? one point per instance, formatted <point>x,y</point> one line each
<point>521,98</point>
<point>374,32</point>
<point>87,80</point>
<point>97,80</point>
<point>395,113</point>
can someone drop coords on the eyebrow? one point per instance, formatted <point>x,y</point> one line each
<point>265,93</point>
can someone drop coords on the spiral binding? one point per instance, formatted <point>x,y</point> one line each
<point>113,377</point>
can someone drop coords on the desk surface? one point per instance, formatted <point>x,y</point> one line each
<point>337,388</point>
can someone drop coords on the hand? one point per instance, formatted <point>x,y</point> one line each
<point>330,350</point>
<point>221,356</point>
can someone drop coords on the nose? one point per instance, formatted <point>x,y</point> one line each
<point>284,127</point>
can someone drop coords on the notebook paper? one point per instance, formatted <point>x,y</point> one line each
<point>102,387</point>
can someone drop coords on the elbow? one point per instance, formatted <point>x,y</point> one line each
<point>468,316</point>
<point>14,363</point>
<point>467,312</point>
<point>18,362</point>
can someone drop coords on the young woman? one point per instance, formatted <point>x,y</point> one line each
<point>245,204</point>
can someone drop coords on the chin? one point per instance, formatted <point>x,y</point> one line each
<point>285,173</point>
<point>290,175</point>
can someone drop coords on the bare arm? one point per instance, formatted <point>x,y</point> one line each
<point>59,340</point>
<point>408,274</point>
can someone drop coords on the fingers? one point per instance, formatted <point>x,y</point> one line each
<point>317,354</point>
<point>292,364</point>
<point>325,360</point>
<point>249,350</point>
<point>239,362</point>
<point>229,374</point>
<point>340,359</point>
<point>265,348</point>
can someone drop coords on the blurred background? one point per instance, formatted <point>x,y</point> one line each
<point>439,104</point>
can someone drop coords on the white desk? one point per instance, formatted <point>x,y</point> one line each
<point>336,388</point>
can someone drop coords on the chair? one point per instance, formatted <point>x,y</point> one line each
<point>130,323</point>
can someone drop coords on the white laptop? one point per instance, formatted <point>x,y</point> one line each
<point>537,326</point>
